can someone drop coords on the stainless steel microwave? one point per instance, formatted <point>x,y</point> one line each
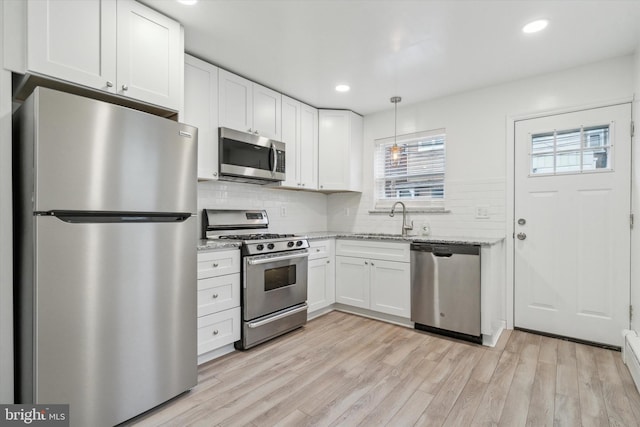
<point>247,157</point>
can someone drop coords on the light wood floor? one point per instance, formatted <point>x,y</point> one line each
<point>346,370</point>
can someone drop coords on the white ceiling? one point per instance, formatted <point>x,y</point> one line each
<point>415,49</point>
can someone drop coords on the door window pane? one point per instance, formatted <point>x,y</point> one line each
<point>571,151</point>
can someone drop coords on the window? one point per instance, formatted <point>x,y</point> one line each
<point>415,175</point>
<point>571,151</point>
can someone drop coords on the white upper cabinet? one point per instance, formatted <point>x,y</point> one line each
<point>267,112</point>
<point>150,55</point>
<point>116,46</point>
<point>236,101</point>
<point>291,137</point>
<point>248,106</point>
<point>201,110</point>
<point>340,151</point>
<point>73,40</point>
<point>308,159</point>
<point>300,133</point>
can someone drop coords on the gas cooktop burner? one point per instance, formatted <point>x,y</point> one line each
<point>257,236</point>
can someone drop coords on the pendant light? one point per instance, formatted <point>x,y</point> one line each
<point>395,150</point>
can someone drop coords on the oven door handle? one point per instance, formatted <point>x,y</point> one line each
<point>279,258</point>
<point>278,316</point>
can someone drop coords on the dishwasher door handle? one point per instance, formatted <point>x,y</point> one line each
<point>442,252</point>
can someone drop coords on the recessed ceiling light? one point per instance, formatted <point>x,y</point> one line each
<point>188,2</point>
<point>535,26</point>
<point>343,88</point>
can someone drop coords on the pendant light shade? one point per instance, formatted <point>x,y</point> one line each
<point>395,149</point>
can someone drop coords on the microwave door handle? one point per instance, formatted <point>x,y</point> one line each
<point>275,158</point>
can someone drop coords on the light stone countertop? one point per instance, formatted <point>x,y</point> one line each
<point>205,245</point>
<point>213,245</point>
<point>482,241</point>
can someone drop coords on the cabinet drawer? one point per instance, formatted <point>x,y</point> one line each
<point>374,249</point>
<point>217,263</point>
<point>320,249</point>
<point>218,293</point>
<point>217,330</point>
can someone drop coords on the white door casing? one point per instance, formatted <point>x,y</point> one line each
<point>572,270</point>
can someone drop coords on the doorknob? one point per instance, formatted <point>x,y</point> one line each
<point>521,236</point>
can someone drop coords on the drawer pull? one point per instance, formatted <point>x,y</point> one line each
<point>215,296</point>
<point>215,264</point>
<point>317,249</point>
<point>215,332</point>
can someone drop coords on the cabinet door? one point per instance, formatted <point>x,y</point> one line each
<point>308,152</point>
<point>201,111</point>
<point>356,128</point>
<point>334,150</point>
<point>150,55</point>
<point>73,40</point>
<point>352,281</point>
<point>390,288</point>
<point>291,137</point>
<point>267,112</point>
<point>235,101</point>
<point>319,277</point>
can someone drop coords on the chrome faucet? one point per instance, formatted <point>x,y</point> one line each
<point>405,227</point>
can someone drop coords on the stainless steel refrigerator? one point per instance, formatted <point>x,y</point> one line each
<point>105,233</point>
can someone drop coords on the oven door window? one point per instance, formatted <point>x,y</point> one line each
<point>279,277</point>
<point>246,155</point>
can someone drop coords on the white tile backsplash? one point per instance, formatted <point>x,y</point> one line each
<point>305,211</point>
<point>462,198</point>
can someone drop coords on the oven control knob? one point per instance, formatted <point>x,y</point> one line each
<point>260,247</point>
<point>299,243</point>
<point>290,244</point>
<point>270,246</point>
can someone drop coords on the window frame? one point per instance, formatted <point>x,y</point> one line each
<point>435,203</point>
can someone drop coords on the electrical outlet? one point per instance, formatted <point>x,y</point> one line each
<point>283,211</point>
<point>425,230</point>
<point>482,212</point>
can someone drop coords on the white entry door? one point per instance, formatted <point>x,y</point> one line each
<point>572,225</point>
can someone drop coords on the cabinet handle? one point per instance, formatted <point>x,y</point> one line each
<point>215,264</point>
<point>215,296</point>
<point>366,263</point>
<point>372,263</point>
<point>255,132</point>
<point>317,249</point>
<point>249,130</point>
<point>215,332</point>
<point>109,83</point>
<point>125,88</point>
<point>328,262</point>
<point>215,174</point>
<point>322,186</point>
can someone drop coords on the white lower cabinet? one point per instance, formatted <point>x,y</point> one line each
<point>218,302</point>
<point>321,275</point>
<point>377,284</point>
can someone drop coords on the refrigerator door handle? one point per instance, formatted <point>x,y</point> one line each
<point>93,217</point>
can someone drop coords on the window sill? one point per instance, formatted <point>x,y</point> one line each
<point>412,210</point>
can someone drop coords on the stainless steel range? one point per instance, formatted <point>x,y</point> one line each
<point>274,273</point>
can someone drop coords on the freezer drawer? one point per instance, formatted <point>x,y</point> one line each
<point>445,289</point>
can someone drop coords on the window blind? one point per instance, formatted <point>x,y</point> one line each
<point>415,173</point>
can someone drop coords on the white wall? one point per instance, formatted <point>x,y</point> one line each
<point>6,245</point>
<point>635,200</point>
<point>304,211</point>
<point>476,127</point>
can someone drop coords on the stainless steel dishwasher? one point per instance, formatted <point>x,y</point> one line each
<point>445,289</point>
